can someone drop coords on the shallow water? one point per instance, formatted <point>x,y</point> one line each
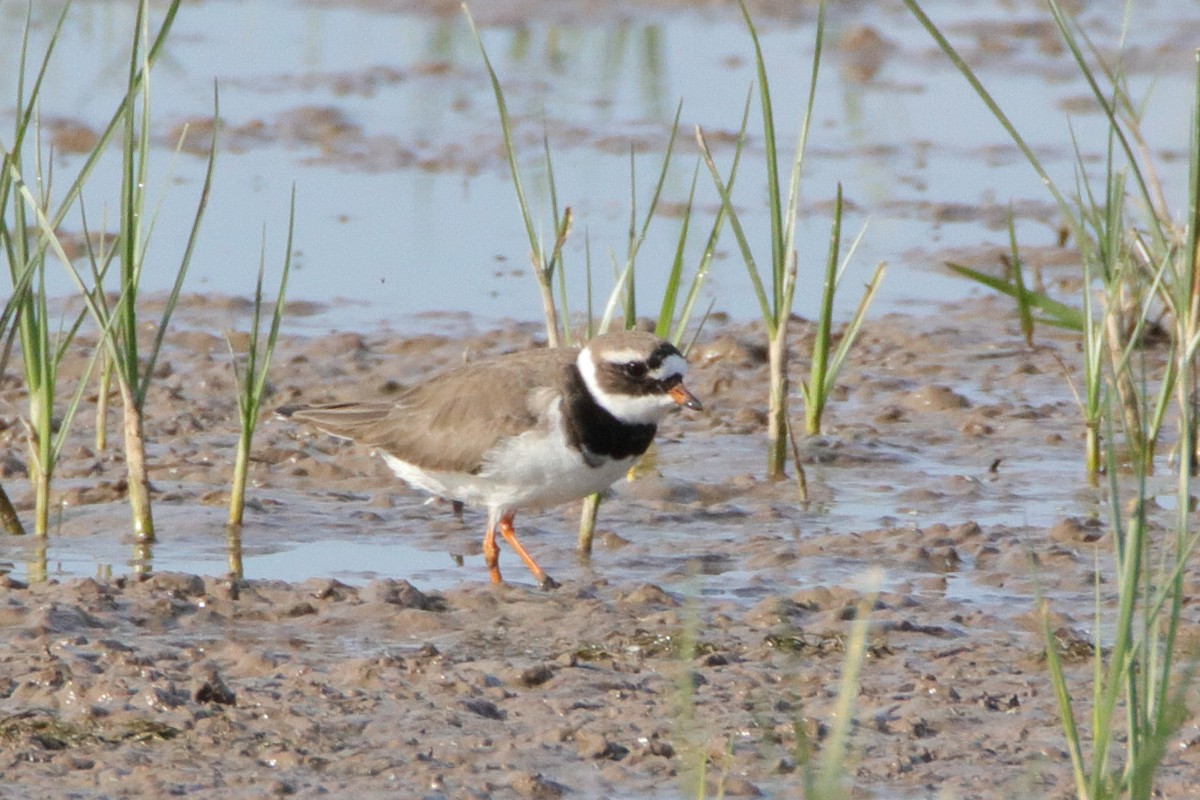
<point>384,120</point>
<point>406,215</point>
<point>702,522</point>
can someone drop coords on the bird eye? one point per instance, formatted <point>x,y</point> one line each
<point>634,369</point>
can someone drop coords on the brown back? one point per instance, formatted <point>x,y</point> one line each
<point>452,420</point>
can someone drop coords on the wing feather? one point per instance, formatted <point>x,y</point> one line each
<point>451,421</point>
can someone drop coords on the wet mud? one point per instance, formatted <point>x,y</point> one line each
<point>703,640</point>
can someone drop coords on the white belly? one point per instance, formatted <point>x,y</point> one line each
<point>536,469</point>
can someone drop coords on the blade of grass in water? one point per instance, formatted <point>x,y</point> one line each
<point>1135,677</point>
<point>1053,312</point>
<point>24,246</point>
<point>776,306</point>
<point>251,382</point>
<point>543,268</point>
<point>1016,270</point>
<point>10,521</point>
<point>119,324</point>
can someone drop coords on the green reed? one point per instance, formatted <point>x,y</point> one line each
<point>116,321</point>
<point>132,368</point>
<point>1138,687</point>
<point>1144,264</point>
<point>24,244</point>
<point>10,521</point>
<point>776,305</point>
<point>251,380</point>
<point>1128,259</point>
<point>827,360</point>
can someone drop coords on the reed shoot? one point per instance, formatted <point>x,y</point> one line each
<point>252,379</point>
<point>1138,685</point>
<point>24,246</point>
<point>775,305</point>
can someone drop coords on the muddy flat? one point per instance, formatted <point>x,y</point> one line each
<point>703,641</point>
<point>347,642</point>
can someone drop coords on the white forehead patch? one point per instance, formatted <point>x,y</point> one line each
<point>633,409</point>
<point>671,366</point>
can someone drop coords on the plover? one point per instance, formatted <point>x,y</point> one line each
<point>525,430</point>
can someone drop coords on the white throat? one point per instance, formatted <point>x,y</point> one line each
<point>632,409</point>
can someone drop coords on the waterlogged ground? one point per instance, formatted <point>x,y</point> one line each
<point>381,114</point>
<point>708,628</point>
<point>363,653</point>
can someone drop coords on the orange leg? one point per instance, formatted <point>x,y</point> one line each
<point>510,536</point>
<point>491,551</point>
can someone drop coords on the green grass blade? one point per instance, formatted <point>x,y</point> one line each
<point>630,296</point>
<point>1016,269</point>
<point>67,416</point>
<point>1057,313</point>
<point>506,130</point>
<point>1192,262</point>
<point>723,189</point>
<point>662,173</point>
<point>27,108</point>
<point>19,297</point>
<point>699,327</point>
<point>984,95</point>
<point>637,234</point>
<point>793,202</point>
<point>705,264</point>
<point>1066,713</point>
<point>614,297</point>
<point>280,300</point>
<point>666,311</point>
<point>590,324</point>
<point>135,143</point>
<point>1067,29</point>
<point>562,229</point>
<point>814,389</point>
<point>114,122</point>
<point>774,209</point>
<point>852,328</point>
<point>186,259</point>
<point>103,320</point>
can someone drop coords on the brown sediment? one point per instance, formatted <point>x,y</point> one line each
<point>710,624</point>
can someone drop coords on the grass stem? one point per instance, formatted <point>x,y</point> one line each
<point>252,380</point>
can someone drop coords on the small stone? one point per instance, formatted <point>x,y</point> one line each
<point>537,787</point>
<point>301,609</point>
<point>535,676</point>
<point>592,744</point>
<point>935,398</point>
<point>1073,530</point>
<point>401,593</point>
<point>649,594</point>
<point>484,708</point>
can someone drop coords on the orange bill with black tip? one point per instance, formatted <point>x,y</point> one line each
<point>683,397</point>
